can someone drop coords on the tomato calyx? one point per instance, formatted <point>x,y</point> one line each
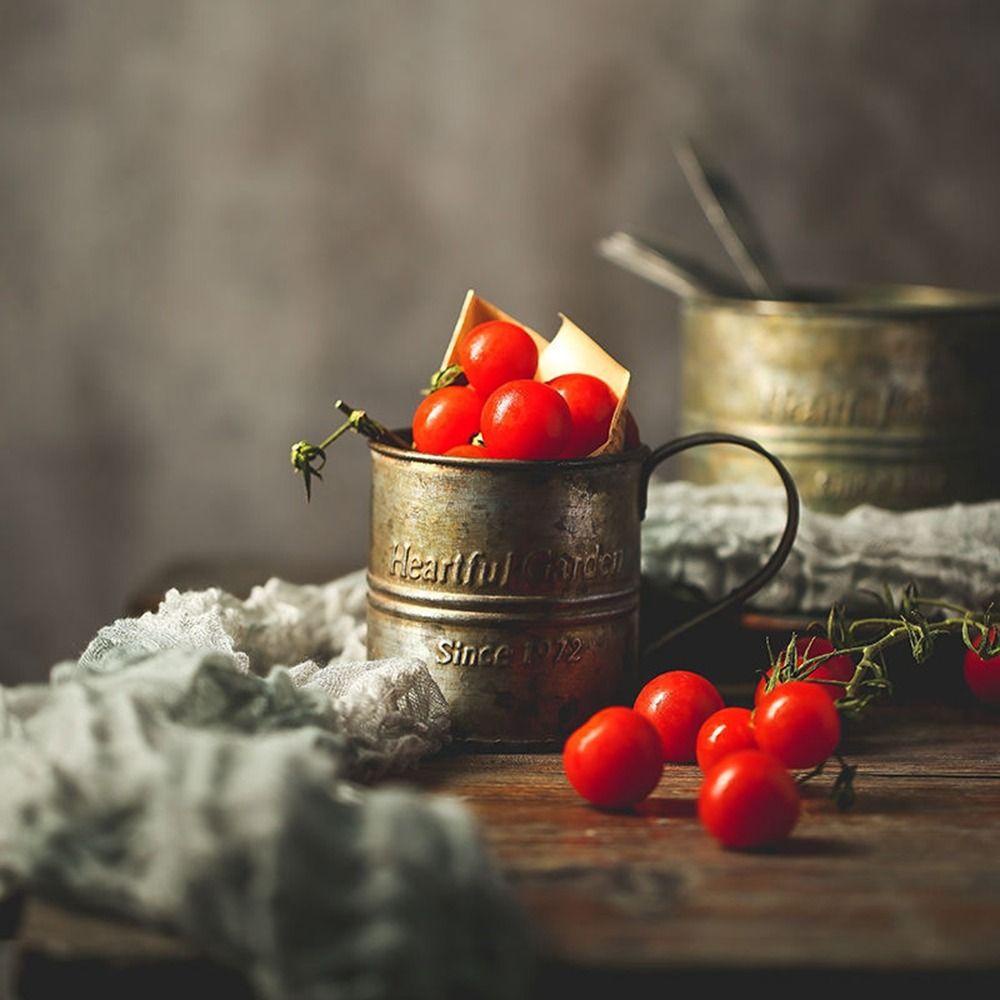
<point>448,375</point>
<point>988,651</point>
<point>815,659</point>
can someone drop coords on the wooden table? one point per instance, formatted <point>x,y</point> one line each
<point>907,884</point>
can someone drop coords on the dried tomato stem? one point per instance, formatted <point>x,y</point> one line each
<point>308,459</point>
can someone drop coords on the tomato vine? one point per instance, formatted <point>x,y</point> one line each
<point>913,619</point>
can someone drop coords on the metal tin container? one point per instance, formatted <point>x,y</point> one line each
<point>517,583</point>
<point>884,396</point>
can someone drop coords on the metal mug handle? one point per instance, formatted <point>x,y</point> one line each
<point>778,557</point>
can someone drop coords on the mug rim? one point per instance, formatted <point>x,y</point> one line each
<point>874,300</point>
<point>460,461</point>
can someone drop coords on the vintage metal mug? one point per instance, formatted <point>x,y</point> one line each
<point>518,582</point>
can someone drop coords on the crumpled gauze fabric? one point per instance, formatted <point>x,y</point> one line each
<point>714,537</point>
<point>180,773</point>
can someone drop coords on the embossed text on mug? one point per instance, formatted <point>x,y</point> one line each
<point>538,652</point>
<point>871,406</point>
<point>478,569</point>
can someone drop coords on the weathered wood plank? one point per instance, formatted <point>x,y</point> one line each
<point>928,740</point>
<point>909,879</point>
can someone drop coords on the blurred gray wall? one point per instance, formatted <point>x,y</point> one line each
<point>218,216</point>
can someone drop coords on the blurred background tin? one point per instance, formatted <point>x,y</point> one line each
<point>881,395</point>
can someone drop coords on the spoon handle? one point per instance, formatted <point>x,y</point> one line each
<point>728,215</point>
<point>678,274</point>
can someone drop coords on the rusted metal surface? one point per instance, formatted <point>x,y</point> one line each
<point>518,582</point>
<point>884,397</point>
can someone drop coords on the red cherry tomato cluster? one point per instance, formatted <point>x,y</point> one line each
<point>514,416</point>
<point>748,797</point>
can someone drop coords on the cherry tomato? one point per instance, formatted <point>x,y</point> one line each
<point>982,675</point>
<point>496,352</point>
<point>526,420</point>
<point>591,405</point>
<point>837,668</point>
<point>468,451</point>
<point>722,733</point>
<point>631,432</point>
<point>798,724</point>
<point>677,703</point>
<point>613,760</point>
<point>447,418</point>
<point>748,799</point>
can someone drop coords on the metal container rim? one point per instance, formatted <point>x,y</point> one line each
<point>899,300</point>
<point>558,464</point>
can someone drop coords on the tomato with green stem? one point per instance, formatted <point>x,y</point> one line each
<point>838,669</point>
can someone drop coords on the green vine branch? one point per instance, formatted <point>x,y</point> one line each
<point>916,620</point>
<point>309,459</point>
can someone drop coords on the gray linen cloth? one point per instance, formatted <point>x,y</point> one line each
<point>179,774</point>
<point>714,537</point>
